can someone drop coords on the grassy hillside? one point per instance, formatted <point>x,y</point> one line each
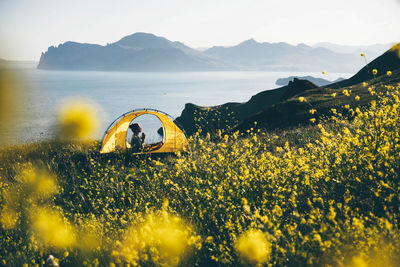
<point>318,195</point>
<point>292,112</point>
<point>279,108</point>
<point>229,115</point>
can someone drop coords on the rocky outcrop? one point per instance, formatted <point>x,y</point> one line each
<point>229,115</point>
<point>317,81</point>
<point>296,87</point>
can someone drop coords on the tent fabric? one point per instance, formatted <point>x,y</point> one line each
<point>174,139</point>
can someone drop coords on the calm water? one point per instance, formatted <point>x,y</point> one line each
<point>119,92</point>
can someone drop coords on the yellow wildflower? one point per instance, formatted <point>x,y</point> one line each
<point>78,119</point>
<point>165,236</point>
<point>50,229</point>
<point>253,247</point>
<point>278,211</point>
<point>38,182</point>
<point>359,261</point>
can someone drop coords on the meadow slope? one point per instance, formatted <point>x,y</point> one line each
<point>326,194</point>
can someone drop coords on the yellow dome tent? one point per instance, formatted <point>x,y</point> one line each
<point>174,139</point>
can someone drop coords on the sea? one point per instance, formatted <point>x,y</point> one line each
<point>115,93</point>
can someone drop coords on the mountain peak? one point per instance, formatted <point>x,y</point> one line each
<point>144,40</point>
<point>249,42</point>
<point>303,45</point>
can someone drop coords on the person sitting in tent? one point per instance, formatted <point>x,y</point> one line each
<point>136,141</point>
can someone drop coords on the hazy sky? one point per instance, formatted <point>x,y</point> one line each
<point>28,27</point>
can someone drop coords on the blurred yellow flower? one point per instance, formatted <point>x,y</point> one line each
<point>301,99</point>
<point>78,119</point>
<point>364,84</point>
<point>362,54</point>
<point>50,229</point>
<point>389,73</point>
<point>324,72</point>
<point>10,89</point>
<point>164,235</point>
<point>374,71</point>
<point>357,98</point>
<point>90,233</point>
<point>359,261</point>
<point>38,182</point>
<point>253,247</point>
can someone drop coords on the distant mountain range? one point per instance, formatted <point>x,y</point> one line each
<point>147,52</point>
<point>371,51</point>
<point>136,52</point>
<point>252,55</point>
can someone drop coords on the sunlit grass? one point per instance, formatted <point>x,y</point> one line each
<point>324,194</point>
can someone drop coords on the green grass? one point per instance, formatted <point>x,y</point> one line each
<point>320,195</point>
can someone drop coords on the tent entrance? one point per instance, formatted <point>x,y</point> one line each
<point>152,128</point>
